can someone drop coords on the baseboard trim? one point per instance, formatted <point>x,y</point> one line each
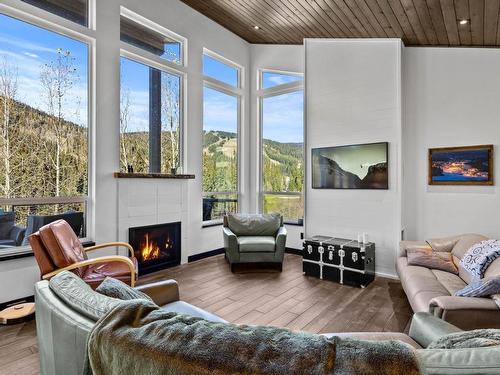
<point>211,253</point>
<point>387,275</point>
<point>4,305</point>
<point>206,254</point>
<point>291,250</point>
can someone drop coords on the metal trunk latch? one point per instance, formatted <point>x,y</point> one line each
<point>309,249</point>
<point>354,257</point>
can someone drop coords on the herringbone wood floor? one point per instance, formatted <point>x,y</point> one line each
<point>286,299</point>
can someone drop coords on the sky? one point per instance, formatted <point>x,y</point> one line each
<point>282,117</point>
<point>28,48</point>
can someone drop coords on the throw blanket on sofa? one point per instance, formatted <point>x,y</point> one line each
<point>138,337</point>
<point>478,258</point>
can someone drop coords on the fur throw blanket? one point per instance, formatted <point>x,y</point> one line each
<point>478,338</point>
<point>137,337</point>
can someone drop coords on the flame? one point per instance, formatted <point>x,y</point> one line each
<point>149,250</point>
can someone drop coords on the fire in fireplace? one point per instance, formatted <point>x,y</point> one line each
<point>156,246</point>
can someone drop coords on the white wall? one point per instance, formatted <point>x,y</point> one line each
<point>452,98</point>
<point>288,58</point>
<point>353,95</point>
<point>19,275</point>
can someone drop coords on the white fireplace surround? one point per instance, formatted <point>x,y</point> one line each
<point>147,201</point>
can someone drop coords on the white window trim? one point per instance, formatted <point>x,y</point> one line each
<point>260,78</point>
<point>240,69</point>
<point>137,18</point>
<point>238,93</point>
<point>38,17</point>
<point>278,90</point>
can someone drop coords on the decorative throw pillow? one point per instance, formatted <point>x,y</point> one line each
<point>76,293</point>
<point>481,288</point>
<point>477,259</point>
<point>117,289</point>
<point>439,260</point>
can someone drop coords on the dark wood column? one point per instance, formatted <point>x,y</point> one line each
<point>154,120</point>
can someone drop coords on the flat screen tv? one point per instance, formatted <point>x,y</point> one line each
<point>362,166</point>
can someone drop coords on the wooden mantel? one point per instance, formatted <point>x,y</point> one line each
<point>153,175</point>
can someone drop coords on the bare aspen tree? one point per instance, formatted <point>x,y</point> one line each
<point>170,118</point>
<point>124,124</point>
<point>58,78</point>
<point>8,92</point>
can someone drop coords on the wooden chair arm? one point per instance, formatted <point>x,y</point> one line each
<point>111,244</point>
<point>88,262</point>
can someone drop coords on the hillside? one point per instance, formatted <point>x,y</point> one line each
<point>28,166</point>
<point>282,162</point>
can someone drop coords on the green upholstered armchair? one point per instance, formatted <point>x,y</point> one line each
<point>254,238</point>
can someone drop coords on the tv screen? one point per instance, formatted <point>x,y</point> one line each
<point>351,167</point>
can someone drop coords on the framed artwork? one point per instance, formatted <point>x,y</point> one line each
<point>363,166</point>
<point>468,165</point>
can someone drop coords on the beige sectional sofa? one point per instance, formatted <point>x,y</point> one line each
<point>430,290</point>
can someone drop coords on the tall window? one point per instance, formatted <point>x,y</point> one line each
<point>150,103</point>
<point>44,112</point>
<point>221,114</point>
<point>282,147</point>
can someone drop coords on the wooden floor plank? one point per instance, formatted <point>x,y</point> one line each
<point>285,299</point>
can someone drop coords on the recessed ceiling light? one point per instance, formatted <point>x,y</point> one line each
<point>256,27</point>
<point>463,22</point>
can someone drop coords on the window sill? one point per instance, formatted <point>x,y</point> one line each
<point>293,224</point>
<point>153,175</point>
<point>211,223</point>
<point>25,251</point>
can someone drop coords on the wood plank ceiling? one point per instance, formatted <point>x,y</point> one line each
<point>416,22</point>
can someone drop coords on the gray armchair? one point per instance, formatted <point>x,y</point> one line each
<point>254,238</point>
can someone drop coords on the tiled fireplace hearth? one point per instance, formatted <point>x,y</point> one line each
<point>157,246</point>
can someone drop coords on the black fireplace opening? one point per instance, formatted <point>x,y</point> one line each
<point>156,246</point>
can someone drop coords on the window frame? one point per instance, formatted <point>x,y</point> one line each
<point>262,94</point>
<point>38,17</point>
<point>260,80</point>
<point>145,22</point>
<point>238,93</point>
<point>151,60</point>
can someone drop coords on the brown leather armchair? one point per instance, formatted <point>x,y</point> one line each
<point>57,248</point>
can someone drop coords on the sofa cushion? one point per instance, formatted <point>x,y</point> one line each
<point>182,307</point>
<point>256,244</point>
<point>118,289</point>
<point>480,288</point>
<point>78,295</point>
<point>449,281</point>
<point>465,242</point>
<point>254,224</point>
<point>493,270</point>
<point>440,260</point>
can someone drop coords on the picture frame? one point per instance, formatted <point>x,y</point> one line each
<point>464,165</point>
<point>358,166</point>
